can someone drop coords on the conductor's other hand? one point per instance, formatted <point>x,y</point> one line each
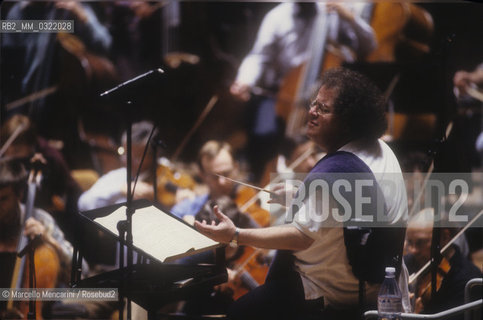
<point>240,91</point>
<point>222,232</point>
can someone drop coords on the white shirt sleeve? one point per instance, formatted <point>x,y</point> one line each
<point>106,191</point>
<point>264,48</point>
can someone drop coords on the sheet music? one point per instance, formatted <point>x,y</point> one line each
<point>159,234</point>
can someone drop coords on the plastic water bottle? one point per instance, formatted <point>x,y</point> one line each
<point>389,299</point>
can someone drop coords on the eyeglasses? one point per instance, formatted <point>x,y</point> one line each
<point>320,108</point>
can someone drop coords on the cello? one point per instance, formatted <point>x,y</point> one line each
<point>400,28</point>
<point>403,31</point>
<point>46,260</point>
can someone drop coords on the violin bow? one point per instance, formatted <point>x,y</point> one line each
<point>246,184</point>
<point>416,275</point>
<point>474,92</point>
<point>197,124</point>
<point>297,161</point>
<point>11,139</point>
<point>426,177</point>
<point>31,97</point>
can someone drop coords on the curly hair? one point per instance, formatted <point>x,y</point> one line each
<point>359,102</point>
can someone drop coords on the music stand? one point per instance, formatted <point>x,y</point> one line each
<point>125,94</point>
<point>150,285</point>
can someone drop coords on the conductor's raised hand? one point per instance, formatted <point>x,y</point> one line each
<point>222,232</point>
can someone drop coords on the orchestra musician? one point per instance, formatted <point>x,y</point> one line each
<point>296,157</point>
<point>313,276</point>
<point>111,188</point>
<point>468,92</point>
<point>58,192</point>
<point>35,57</point>
<point>456,269</point>
<point>215,157</point>
<point>465,80</point>
<point>13,178</point>
<point>295,147</point>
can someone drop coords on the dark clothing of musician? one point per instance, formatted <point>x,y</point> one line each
<point>451,292</point>
<point>58,191</point>
<point>58,182</point>
<point>34,58</point>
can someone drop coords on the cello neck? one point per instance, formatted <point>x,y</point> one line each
<point>16,281</point>
<point>318,41</point>
<point>310,71</point>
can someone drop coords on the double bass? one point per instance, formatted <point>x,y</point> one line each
<point>300,83</point>
<point>402,31</point>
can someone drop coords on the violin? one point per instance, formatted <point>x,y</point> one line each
<point>171,178</point>
<point>424,289</point>
<point>250,269</point>
<point>243,196</point>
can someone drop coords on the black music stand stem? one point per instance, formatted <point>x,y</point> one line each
<point>154,155</point>
<point>123,94</point>
<point>125,227</point>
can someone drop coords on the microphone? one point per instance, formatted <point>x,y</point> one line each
<point>129,86</point>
